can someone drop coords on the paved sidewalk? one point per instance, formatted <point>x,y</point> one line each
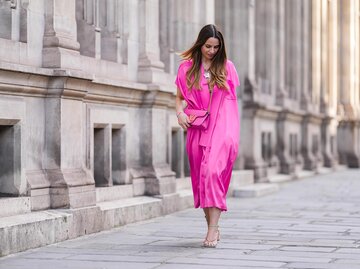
<point>309,223</point>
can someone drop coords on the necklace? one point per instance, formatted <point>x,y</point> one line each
<point>207,74</point>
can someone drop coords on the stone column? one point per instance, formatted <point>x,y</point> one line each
<point>348,142</point>
<point>15,21</point>
<point>159,179</point>
<point>251,150</point>
<point>305,56</point>
<point>328,127</point>
<point>122,25</point>
<point>287,164</point>
<point>71,184</point>
<point>150,66</point>
<point>60,46</point>
<point>324,59</point>
<point>316,52</point>
<point>272,55</point>
<point>297,46</point>
<point>281,93</point>
<point>85,22</point>
<point>133,41</point>
<point>109,42</point>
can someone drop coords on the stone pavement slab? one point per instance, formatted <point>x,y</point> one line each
<point>310,223</point>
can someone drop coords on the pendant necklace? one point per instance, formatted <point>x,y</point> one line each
<point>207,74</point>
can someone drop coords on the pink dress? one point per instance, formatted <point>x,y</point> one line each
<point>212,152</point>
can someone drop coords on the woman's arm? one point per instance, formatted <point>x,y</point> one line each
<point>182,117</point>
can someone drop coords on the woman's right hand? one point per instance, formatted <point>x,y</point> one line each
<point>183,120</point>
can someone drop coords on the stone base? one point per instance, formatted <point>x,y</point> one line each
<point>279,178</point>
<point>104,194</point>
<point>255,190</point>
<point>73,197</point>
<point>40,199</point>
<point>353,160</point>
<point>14,205</point>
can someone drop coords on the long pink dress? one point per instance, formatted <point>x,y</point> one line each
<point>212,152</point>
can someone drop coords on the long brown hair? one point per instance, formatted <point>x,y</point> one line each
<point>217,68</point>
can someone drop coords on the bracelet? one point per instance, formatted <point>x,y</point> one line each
<point>178,113</point>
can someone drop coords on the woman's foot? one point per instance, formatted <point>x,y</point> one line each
<point>212,236</point>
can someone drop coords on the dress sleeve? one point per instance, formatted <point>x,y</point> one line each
<point>233,75</point>
<point>180,80</point>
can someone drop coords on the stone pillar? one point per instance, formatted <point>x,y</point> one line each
<point>305,56</point>
<point>133,41</point>
<point>85,22</point>
<point>287,164</point>
<point>150,66</point>
<point>251,150</point>
<point>316,52</point>
<point>297,46</point>
<point>348,142</point>
<point>328,126</point>
<point>60,46</point>
<point>15,21</point>
<point>281,93</point>
<point>121,18</point>
<point>5,20</point>
<point>324,56</point>
<point>109,40</point>
<point>272,48</point>
<point>97,30</point>
<point>71,184</point>
<point>159,179</point>
<point>308,157</point>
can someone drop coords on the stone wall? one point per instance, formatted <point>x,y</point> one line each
<point>87,92</point>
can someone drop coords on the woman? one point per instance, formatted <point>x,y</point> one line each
<point>212,151</point>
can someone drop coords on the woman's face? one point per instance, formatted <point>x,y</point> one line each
<point>210,48</point>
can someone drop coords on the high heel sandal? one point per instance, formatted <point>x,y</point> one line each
<point>212,243</point>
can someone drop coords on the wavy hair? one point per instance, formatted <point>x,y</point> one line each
<point>218,63</point>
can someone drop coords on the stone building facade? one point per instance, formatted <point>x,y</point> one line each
<point>87,99</point>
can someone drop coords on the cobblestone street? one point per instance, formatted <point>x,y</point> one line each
<point>310,223</point>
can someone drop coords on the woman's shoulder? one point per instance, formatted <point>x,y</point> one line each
<point>185,64</point>
<point>184,67</point>
<point>230,64</point>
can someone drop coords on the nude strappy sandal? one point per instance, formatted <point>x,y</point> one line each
<point>212,243</point>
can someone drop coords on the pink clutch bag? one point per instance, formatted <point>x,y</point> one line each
<point>199,119</point>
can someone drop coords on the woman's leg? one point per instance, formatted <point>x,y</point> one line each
<point>214,216</point>
<point>206,212</point>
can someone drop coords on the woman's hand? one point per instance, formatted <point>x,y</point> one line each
<point>183,120</point>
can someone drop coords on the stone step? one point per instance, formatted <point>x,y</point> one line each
<point>35,229</point>
<point>186,199</point>
<point>325,170</point>
<point>279,178</point>
<point>340,167</point>
<point>242,178</point>
<point>32,230</point>
<point>183,183</point>
<point>114,192</point>
<point>10,206</point>
<point>255,190</point>
<point>305,173</point>
<point>124,211</point>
